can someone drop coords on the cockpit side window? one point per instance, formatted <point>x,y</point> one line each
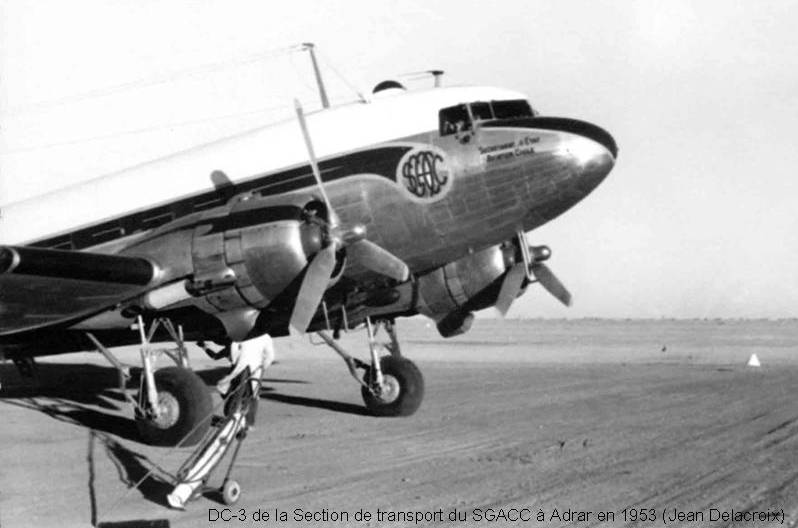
<point>512,108</point>
<point>454,119</point>
<point>481,111</point>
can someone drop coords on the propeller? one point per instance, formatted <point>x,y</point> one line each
<point>531,264</point>
<point>511,285</point>
<point>322,265</point>
<point>551,283</point>
<point>311,291</point>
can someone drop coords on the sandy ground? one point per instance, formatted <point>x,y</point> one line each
<point>628,417</point>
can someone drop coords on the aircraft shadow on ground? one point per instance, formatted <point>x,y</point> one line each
<point>89,395</point>
<point>134,470</point>
<point>344,407</point>
<point>267,392</point>
<point>84,394</point>
<point>211,376</point>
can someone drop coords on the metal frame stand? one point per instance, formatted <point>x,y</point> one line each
<point>240,407</point>
<point>205,488</point>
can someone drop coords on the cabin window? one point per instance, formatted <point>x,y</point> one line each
<point>513,108</point>
<point>107,232</point>
<point>154,220</point>
<point>66,245</point>
<point>207,201</point>
<point>63,242</point>
<point>454,119</point>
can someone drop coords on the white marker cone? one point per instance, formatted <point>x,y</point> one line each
<point>753,361</point>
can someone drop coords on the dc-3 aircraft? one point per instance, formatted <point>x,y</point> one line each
<point>413,202</point>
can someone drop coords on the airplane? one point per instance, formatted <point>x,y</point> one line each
<point>410,202</point>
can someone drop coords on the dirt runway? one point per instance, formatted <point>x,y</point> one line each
<point>577,421</point>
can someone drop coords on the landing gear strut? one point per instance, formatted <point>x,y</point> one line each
<point>392,385</point>
<point>174,405</point>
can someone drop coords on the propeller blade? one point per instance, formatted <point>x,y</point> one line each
<point>551,283</point>
<point>511,285</point>
<point>314,165</point>
<point>371,256</point>
<point>317,278</point>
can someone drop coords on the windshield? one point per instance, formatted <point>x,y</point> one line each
<point>508,109</point>
<point>458,118</point>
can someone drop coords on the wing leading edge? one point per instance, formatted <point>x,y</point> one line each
<point>43,287</point>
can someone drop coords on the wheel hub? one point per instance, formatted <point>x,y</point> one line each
<point>388,392</point>
<point>168,411</point>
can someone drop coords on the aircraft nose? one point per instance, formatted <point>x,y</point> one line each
<point>573,157</point>
<point>592,158</point>
<point>589,149</point>
<point>589,146</point>
<point>580,129</point>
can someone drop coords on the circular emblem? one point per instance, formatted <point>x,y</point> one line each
<point>424,174</point>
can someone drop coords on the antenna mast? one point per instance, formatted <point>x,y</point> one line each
<point>325,102</point>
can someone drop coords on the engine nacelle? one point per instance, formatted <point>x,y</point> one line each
<point>264,246</point>
<point>450,293</point>
<point>230,261</point>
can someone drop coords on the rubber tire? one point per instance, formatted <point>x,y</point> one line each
<point>411,388</point>
<point>231,492</point>
<point>194,409</point>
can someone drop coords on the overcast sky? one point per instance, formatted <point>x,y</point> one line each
<point>698,219</point>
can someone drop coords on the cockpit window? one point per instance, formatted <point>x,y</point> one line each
<point>514,108</point>
<point>454,119</point>
<point>458,118</point>
<point>481,111</point>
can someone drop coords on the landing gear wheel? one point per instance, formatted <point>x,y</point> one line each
<point>402,389</point>
<point>185,407</point>
<point>231,492</point>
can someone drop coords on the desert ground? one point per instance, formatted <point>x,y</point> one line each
<point>649,422</point>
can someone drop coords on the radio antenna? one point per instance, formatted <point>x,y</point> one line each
<point>325,102</point>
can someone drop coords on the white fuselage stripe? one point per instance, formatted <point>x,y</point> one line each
<point>240,158</point>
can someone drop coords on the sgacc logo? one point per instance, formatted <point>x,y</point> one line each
<point>424,174</point>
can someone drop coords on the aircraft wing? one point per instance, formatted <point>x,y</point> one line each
<point>41,287</point>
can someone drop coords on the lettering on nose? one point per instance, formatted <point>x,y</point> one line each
<point>424,174</point>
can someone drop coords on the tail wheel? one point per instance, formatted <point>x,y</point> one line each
<point>185,408</point>
<point>402,389</point>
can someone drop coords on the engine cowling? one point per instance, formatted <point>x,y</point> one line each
<point>264,246</point>
<point>452,292</point>
<point>256,256</point>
